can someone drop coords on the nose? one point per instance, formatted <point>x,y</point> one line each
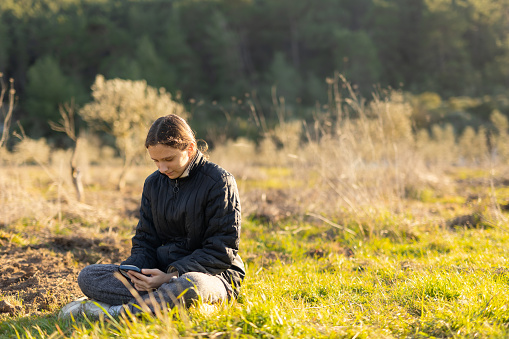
<point>163,167</point>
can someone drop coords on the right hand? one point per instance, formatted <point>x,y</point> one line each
<point>151,279</point>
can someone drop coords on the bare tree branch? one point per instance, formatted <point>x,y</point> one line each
<point>7,115</point>
<point>67,125</point>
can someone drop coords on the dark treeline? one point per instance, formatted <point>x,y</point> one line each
<point>206,51</point>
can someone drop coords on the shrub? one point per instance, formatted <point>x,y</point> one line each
<point>125,109</point>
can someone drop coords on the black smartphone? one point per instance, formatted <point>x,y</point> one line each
<point>124,268</point>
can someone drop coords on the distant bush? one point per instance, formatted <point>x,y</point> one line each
<point>125,109</point>
<point>32,151</point>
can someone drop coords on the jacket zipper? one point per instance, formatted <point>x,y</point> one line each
<point>176,187</point>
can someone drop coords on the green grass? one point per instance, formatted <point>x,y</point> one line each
<point>465,173</point>
<point>271,178</point>
<point>301,284</point>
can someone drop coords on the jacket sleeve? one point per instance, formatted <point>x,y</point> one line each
<point>145,241</point>
<point>220,242</point>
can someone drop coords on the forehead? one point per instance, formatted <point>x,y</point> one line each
<point>160,151</point>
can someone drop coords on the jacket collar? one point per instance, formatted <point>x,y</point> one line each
<point>193,166</point>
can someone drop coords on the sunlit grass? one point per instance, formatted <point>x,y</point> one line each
<point>441,284</point>
<point>396,274</point>
<point>270,178</point>
<point>502,194</point>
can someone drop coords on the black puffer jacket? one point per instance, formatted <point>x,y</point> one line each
<point>192,224</point>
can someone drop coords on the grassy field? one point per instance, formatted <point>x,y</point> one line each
<point>417,275</point>
<point>367,229</point>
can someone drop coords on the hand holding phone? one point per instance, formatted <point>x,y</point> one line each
<point>151,280</point>
<point>124,268</point>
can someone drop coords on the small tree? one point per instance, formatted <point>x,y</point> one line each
<point>6,112</point>
<point>125,109</point>
<point>68,126</point>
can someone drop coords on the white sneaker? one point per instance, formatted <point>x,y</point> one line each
<point>92,308</point>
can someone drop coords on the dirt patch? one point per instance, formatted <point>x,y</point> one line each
<point>43,277</point>
<point>270,206</point>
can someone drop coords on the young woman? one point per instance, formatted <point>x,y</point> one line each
<point>187,237</point>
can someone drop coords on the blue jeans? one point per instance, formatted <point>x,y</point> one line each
<point>98,282</point>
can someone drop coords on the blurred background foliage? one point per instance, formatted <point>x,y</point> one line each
<point>226,59</point>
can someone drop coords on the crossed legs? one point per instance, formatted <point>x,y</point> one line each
<point>98,282</point>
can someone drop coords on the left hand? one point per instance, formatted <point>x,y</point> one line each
<point>151,279</point>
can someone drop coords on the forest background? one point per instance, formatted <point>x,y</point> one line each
<point>451,55</point>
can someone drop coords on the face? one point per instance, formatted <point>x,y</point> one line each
<point>169,160</point>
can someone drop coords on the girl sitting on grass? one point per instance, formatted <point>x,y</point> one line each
<point>186,240</point>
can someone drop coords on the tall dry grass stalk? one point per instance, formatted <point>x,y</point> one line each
<point>36,189</point>
<point>364,155</point>
<point>359,161</point>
